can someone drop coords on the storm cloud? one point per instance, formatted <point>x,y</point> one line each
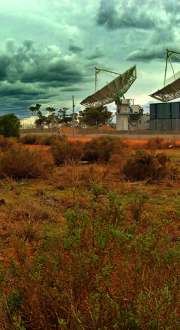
<point>165,34</point>
<point>124,14</point>
<point>28,74</point>
<point>48,49</point>
<point>29,65</point>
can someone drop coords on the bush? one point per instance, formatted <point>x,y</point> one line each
<point>10,126</point>
<point>50,140</point>
<point>117,161</point>
<point>155,143</point>
<point>101,148</point>
<point>7,143</point>
<point>98,273</point>
<point>25,163</point>
<point>143,165</point>
<point>67,151</point>
<point>29,139</point>
<point>44,139</point>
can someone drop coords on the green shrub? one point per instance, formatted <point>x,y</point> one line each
<point>10,126</point>
<point>25,163</point>
<point>143,165</point>
<point>101,148</point>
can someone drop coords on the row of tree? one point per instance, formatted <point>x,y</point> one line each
<point>100,115</point>
<point>90,116</point>
<point>52,118</point>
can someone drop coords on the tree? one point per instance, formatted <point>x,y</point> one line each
<point>64,118</point>
<point>134,117</point>
<point>51,118</point>
<point>10,126</point>
<point>100,115</point>
<point>41,120</point>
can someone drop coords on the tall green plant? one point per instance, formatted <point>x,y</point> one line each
<point>10,126</point>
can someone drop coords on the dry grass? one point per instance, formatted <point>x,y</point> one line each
<point>75,176</point>
<point>8,143</point>
<point>30,211</point>
<point>24,163</point>
<point>112,263</point>
<point>155,143</point>
<point>143,165</point>
<point>66,152</point>
<point>101,148</point>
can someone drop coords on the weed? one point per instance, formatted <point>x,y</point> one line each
<point>98,273</point>
<point>30,211</point>
<point>40,192</point>
<point>112,265</point>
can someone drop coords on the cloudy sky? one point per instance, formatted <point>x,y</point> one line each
<point>48,49</point>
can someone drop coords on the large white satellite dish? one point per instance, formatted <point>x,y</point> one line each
<point>112,91</point>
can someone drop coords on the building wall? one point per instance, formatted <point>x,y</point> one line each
<point>143,123</point>
<point>165,116</point>
<point>121,122</point>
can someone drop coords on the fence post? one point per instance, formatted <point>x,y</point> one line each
<point>177,127</point>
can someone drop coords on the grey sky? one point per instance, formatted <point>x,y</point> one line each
<point>48,49</point>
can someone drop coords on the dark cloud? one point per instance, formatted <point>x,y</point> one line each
<point>28,65</point>
<point>154,45</point>
<point>29,75</point>
<point>75,49</point>
<point>145,55</point>
<point>127,15</point>
<point>72,89</point>
<point>4,66</point>
<point>153,52</point>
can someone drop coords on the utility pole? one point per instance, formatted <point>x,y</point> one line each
<point>73,114</point>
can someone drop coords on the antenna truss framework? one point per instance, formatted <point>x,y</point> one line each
<point>108,93</point>
<point>168,93</point>
<point>171,89</point>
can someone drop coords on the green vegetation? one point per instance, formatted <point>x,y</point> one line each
<point>85,247</point>
<point>10,126</point>
<point>100,115</point>
<point>52,118</point>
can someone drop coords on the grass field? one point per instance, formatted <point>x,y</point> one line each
<point>90,246</point>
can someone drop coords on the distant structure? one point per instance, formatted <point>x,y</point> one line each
<point>114,91</point>
<point>143,123</point>
<point>171,87</point>
<point>165,116</point>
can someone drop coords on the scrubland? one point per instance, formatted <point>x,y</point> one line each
<point>89,234</point>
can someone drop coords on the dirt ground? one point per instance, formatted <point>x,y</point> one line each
<point>132,142</point>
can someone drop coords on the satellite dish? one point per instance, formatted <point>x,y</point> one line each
<point>112,91</point>
<point>171,88</point>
